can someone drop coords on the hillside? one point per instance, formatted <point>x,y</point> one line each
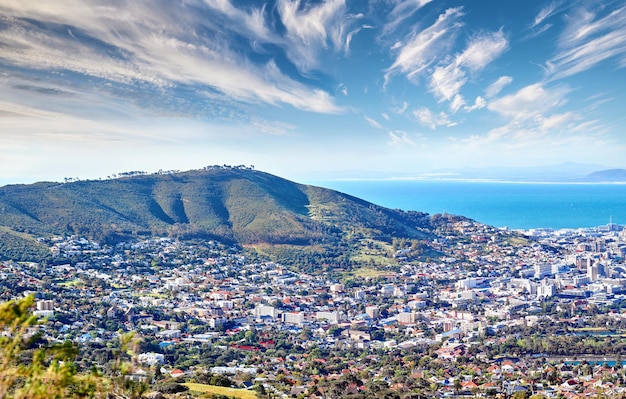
<point>230,204</point>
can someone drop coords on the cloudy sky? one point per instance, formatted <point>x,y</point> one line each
<point>303,89</point>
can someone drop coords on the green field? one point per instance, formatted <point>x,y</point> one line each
<point>70,283</point>
<point>515,241</point>
<point>238,393</point>
<point>364,272</point>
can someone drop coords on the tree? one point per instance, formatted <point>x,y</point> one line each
<point>457,386</point>
<point>44,372</point>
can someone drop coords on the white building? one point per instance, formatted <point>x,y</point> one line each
<point>331,317</point>
<point>542,270</point>
<point>264,310</point>
<point>296,318</point>
<point>151,358</point>
<point>545,290</point>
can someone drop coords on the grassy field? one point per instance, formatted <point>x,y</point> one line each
<point>364,272</point>
<point>238,393</point>
<point>518,241</point>
<point>70,283</point>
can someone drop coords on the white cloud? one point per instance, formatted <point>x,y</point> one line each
<point>482,50</point>
<point>422,49</point>
<point>400,139</point>
<point>373,123</point>
<point>342,89</point>
<point>150,42</point>
<point>497,86</point>
<point>479,103</point>
<point>310,28</point>
<point>556,121</point>
<point>534,120</point>
<point>516,145</point>
<point>587,40</point>
<point>402,10</point>
<point>446,81</point>
<point>545,13</point>
<point>428,118</point>
<point>457,102</point>
<point>401,109</point>
<point>529,102</point>
<point>251,22</point>
<point>275,128</point>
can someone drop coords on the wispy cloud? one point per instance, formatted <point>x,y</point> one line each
<point>534,115</point>
<point>482,50</point>
<point>275,128</point>
<point>457,102</point>
<point>401,11</point>
<point>497,86</point>
<point>536,124</point>
<point>157,43</point>
<point>479,103</point>
<point>401,109</point>
<point>530,102</point>
<point>447,80</point>
<point>545,13</point>
<point>251,22</point>
<point>400,139</point>
<point>539,24</point>
<point>351,34</point>
<point>310,28</point>
<point>422,49</point>
<point>433,120</point>
<point>373,123</point>
<point>589,39</point>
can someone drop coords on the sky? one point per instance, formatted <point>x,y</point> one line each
<point>309,89</point>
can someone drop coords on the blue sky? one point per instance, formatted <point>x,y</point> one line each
<point>309,89</point>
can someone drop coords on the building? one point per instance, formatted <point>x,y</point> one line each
<point>44,308</point>
<point>331,317</point>
<point>151,358</point>
<point>296,318</point>
<point>545,290</point>
<point>372,312</point>
<point>542,270</point>
<point>264,310</point>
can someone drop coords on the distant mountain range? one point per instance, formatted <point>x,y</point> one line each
<point>569,172</point>
<point>559,173</point>
<point>231,204</point>
<point>609,176</point>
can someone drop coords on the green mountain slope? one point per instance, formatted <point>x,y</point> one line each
<point>232,204</point>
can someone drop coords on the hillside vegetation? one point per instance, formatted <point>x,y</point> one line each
<point>237,205</point>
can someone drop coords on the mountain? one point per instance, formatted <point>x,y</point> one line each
<point>606,176</point>
<point>565,172</point>
<point>231,204</point>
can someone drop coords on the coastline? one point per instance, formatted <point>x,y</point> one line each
<point>512,204</point>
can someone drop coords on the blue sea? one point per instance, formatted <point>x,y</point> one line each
<point>499,204</point>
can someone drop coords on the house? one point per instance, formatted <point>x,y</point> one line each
<point>177,373</point>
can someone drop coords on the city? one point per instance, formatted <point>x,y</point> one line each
<point>501,313</point>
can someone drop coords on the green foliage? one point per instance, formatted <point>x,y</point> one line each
<point>45,372</point>
<point>21,247</point>
<point>170,387</point>
<point>220,381</point>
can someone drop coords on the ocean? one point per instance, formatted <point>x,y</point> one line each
<point>500,204</point>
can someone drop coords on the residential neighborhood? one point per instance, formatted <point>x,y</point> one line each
<point>539,312</point>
